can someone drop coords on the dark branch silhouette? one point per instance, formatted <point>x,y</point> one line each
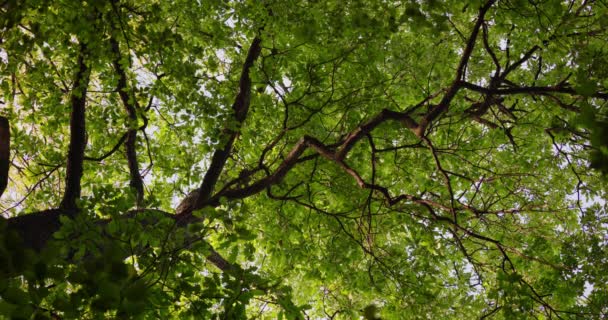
<point>131,106</point>
<point>240,108</point>
<point>78,139</point>
<point>5,149</point>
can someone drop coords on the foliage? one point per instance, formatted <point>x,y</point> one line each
<point>327,159</point>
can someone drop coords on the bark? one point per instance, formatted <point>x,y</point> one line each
<point>5,148</point>
<point>131,106</point>
<point>460,71</point>
<point>240,108</point>
<point>78,139</point>
<point>37,228</point>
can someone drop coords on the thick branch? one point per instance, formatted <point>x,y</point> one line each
<point>241,103</point>
<point>291,160</point>
<point>5,149</point>
<point>534,90</point>
<point>240,108</point>
<point>276,177</point>
<point>77,134</point>
<point>366,128</point>
<point>220,262</point>
<point>130,104</point>
<point>460,71</point>
<point>336,156</point>
<point>36,230</point>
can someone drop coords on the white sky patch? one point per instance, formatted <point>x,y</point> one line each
<point>286,82</point>
<point>144,77</point>
<point>549,67</point>
<point>502,44</point>
<point>206,93</point>
<point>279,88</point>
<point>230,22</point>
<point>476,287</point>
<point>588,289</point>
<point>3,56</point>
<point>482,82</point>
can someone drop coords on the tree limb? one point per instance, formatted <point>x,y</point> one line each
<point>111,152</point>
<point>78,139</point>
<point>5,149</point>
<point>533,90</point>
<point>240,108</point>
<point>131,106</point>
<point>464,60</point>
<point>366,128</point>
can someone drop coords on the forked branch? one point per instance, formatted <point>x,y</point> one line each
<point>460,71</point>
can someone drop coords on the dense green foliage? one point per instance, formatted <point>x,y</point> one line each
<point>328,159</point>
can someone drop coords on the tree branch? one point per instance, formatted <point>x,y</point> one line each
<point>131,106</point>
<point>240,108</point>
<point>5,149</point>
<point>336,156</point>
<point>519,62</point>
<point>366,128</point>
<point>77,135</point>
<point>533,90</point>
<point>464,60</point>
<point>111,152</point>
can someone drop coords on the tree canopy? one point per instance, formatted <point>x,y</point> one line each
<point>300,159</point>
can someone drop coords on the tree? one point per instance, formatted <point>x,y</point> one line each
<point>331,159</point>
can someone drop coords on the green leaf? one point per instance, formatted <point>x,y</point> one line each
<point>587,88</point>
